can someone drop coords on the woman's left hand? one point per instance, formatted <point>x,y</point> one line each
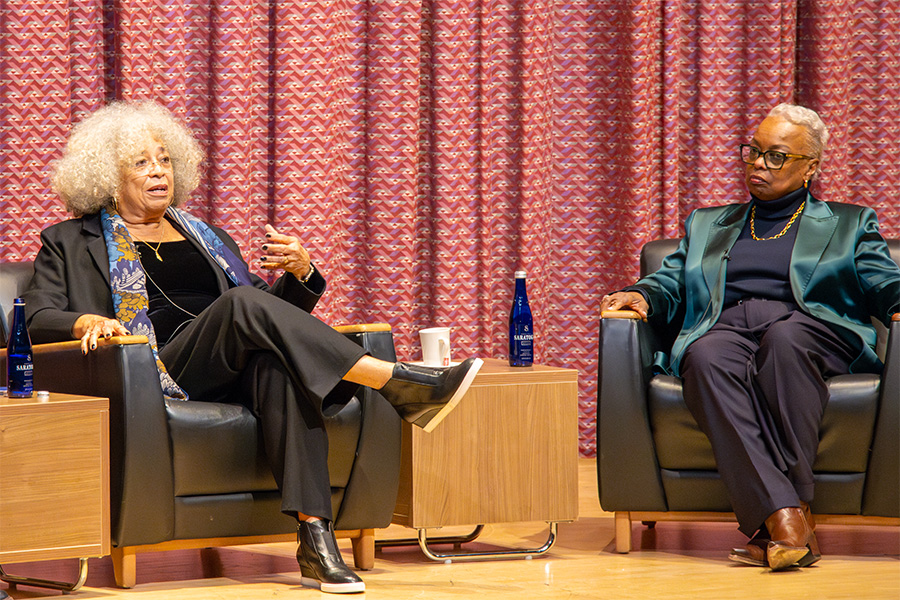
<point>285,252</point>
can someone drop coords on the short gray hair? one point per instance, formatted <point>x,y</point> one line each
<point>89,174</point>
<point>816,132</point>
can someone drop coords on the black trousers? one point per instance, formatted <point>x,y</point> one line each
<point>755,383</point>
<point>289,366</point>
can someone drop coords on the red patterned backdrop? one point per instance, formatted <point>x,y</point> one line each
<point>425,150</point>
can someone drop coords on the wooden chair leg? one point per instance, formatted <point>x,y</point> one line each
<point>124,562</point>
<point>364,549</point>
<point>623,532</point>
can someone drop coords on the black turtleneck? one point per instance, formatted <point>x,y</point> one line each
<point>760,268</point>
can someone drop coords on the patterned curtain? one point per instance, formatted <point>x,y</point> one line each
<point>423,151</point>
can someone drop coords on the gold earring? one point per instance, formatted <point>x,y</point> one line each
<point>806,183</point>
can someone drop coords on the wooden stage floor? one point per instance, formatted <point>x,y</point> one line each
<point>674,561</point>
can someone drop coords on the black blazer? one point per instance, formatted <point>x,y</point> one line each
<point>71,278</point>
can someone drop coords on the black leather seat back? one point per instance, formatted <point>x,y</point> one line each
<point>653,253</point>
<point>14,276</point>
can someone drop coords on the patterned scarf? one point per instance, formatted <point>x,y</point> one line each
<point>129,284</point>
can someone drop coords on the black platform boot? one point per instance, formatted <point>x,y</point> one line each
<point>321,564</point>
<point>423,396</point>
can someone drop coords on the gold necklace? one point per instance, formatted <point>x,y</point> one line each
<point>783,231</point>
<point>155,250</point>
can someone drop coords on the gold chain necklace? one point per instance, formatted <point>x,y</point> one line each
<point>783,231</point>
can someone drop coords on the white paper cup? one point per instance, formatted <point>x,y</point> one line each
<point>435,346</point>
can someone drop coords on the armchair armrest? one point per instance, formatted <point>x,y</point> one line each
<point>123,370</point>
<point>362,328</point>
<point>374,337</point>
<point>882,492</point>
<point>619,314</point>
<point>627,469</point>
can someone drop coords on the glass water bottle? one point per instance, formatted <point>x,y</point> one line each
<point>521,327</point>
<point>19,363</point>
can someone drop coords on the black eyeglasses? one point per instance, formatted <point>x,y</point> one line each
<point>773,159</point>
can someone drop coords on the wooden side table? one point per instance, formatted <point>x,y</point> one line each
<point>507,453</point>
<point>54,482</point>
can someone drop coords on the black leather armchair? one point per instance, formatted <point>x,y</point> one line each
<point>194,474</point>
<point>654,463</point>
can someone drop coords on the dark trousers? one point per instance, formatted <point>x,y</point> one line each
<point>287,363</point>
<point>755,383</point>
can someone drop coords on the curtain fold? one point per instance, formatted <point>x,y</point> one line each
<point>423,151</point>
<point>853,81</point>
<point>51,70</point>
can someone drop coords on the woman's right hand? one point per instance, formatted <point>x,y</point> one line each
<point>89,328</point>
<point>625,301</point>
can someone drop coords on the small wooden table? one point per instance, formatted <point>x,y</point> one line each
<point>507,453</point>
<point>54,482</point>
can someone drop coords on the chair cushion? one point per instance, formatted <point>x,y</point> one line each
<point>217,448</point>
<point>844,440</point>
<point>679,442</point>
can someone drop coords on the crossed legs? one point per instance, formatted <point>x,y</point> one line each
<point>755,383</point>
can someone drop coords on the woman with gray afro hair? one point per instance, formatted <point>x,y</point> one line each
<point>87,177</point>
<point>132,262</point>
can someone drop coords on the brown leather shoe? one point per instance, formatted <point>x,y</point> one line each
<point>754,553</point>
<point>814,555</point>
<point>807,512</point>
<point>793,540</point>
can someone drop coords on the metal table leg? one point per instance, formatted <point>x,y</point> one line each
<point>423,544</point>
<point>45,583</point>
<point>424,541</point>
<point>456,540</point>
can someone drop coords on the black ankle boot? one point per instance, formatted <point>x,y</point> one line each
<point>423,396</point>
<point>321,564</point>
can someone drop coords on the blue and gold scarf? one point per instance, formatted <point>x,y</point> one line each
<point>129,283</point>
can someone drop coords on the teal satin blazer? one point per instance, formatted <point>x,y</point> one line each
<point>841,273</point>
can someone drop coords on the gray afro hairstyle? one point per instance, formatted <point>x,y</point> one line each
<point>89,174</point>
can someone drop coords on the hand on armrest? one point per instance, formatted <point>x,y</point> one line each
<point>624,302</point>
